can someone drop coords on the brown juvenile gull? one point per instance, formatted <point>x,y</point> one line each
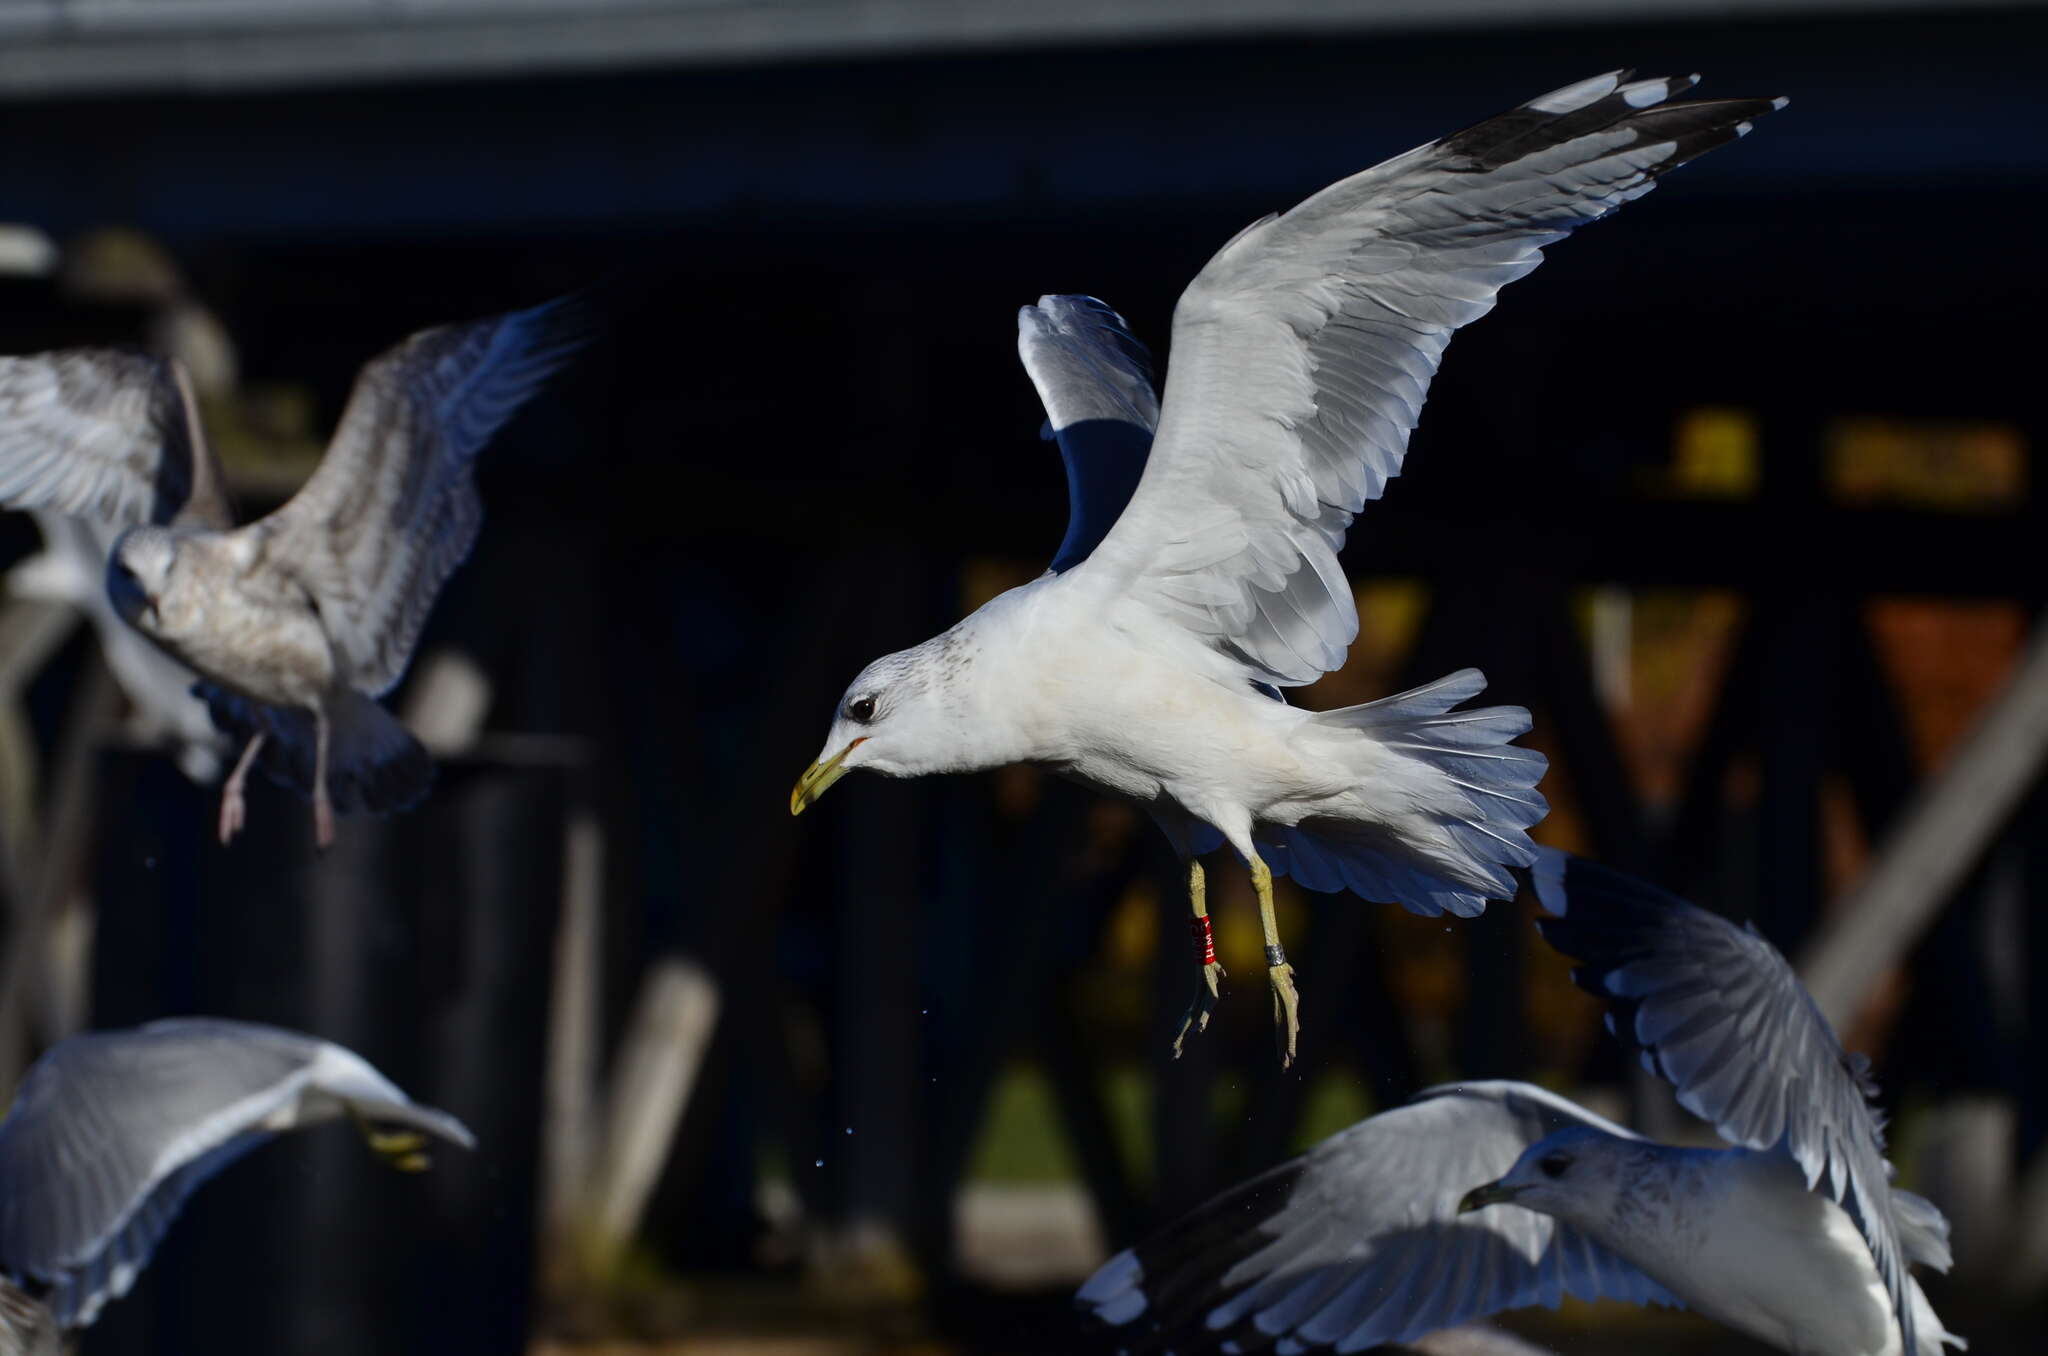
<point>299,621</point>
<point>111,1132</point>
<point>1146,662</point>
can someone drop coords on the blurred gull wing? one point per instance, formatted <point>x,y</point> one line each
<point>1095,381</point>
<point>110,1132</point>
<point>72,569</point>
<point>393,508</point>
<point>110,436</point>
<point>1303,350</point>
<point>1359,1241</point>
<point>1720,1015</point>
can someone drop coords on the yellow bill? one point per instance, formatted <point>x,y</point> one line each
<point>819,776</point>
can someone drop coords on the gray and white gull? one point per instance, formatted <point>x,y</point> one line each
<point>298,621</point>
<point>1481,1197</point>
<point>110,1132</point>
<point>1199,573</point>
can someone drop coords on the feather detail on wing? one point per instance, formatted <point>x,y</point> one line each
<point>1095,381</point>
<point>1303,351</point>
<point>108,436</point>
<point>107,1136</point>
<point>111,1132</point>
<point>1720,1015</point>
<point>393,508</point>
<point>1359,1241</point>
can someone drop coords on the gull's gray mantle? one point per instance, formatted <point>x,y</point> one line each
<point>110,1132</point>
<point>298,621</point>
<point>1482,1197</point>
<point>1302,354</point>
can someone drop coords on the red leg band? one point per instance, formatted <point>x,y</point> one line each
<point>1205,940</point>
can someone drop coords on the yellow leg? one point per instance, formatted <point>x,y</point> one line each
<point>1212,972</point>
<point>1279,974</point>
<point>402,1149</point>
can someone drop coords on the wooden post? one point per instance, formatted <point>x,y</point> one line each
<point>1940,839</point>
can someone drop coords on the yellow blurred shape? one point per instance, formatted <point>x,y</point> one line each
<point>1958,465</point>
<point>1335,1101</point>
<point>1714,455</point>
<point>1134,927</point>
<point>984,577</point>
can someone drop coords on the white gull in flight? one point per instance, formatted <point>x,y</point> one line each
<point>1145,662</point>
<point>1481,1197</point>
<point>111,1132</point>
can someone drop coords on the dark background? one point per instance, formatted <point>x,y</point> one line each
<point>808,422</point>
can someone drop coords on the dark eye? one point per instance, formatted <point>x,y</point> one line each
<point>861,709</point>
<point>1553,1165</point>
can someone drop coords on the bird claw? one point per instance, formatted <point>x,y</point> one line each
<point>234,813</point>
<point>1203,1004</point>
<point>1286,1010</point>
<point>401,1149</point>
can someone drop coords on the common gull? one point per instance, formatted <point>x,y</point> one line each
<point>1481,1197</point>
<point>1146,663</point>
<point>110,1132</point>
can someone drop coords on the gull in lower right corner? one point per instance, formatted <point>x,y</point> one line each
<point>1477,1198</point>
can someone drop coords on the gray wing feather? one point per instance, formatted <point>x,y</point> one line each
<point>1358,1242</point>
<point>110,1132</point>
<point>1304,349</point>
<point>1720,1015</point>
<point>1085,363</point>
<point>393,508</point>
<point>105,435</point>
<point>102,1122</point>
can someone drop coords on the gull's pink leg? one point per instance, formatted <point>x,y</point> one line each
<point>233,812</point>
<point>323,809</point>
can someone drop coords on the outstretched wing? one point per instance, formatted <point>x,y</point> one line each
<point>110,1132</point>
<point>1095,381</point>
<point>1303,350</point>
<point>108,1135</point>
<point>1359,1241</point>
<point>1719,1015</point>
<point>393,508</point>
<point>108,436</point>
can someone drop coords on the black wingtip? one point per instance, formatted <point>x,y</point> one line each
<point>1156,1297</point>
<point>1606,101</point>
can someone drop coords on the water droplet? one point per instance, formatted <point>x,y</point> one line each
<point>849,1129</point>
<point>819,1164</point>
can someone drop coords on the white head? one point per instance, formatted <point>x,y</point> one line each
<point>906,715</point>
<point>138,571</point>
<point>1575,1175</point>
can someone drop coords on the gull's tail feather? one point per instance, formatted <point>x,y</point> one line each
<point>1454,800</point>
<point>1930,1335</point>
<point>1923,1229</point>
<point>373,762</point>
